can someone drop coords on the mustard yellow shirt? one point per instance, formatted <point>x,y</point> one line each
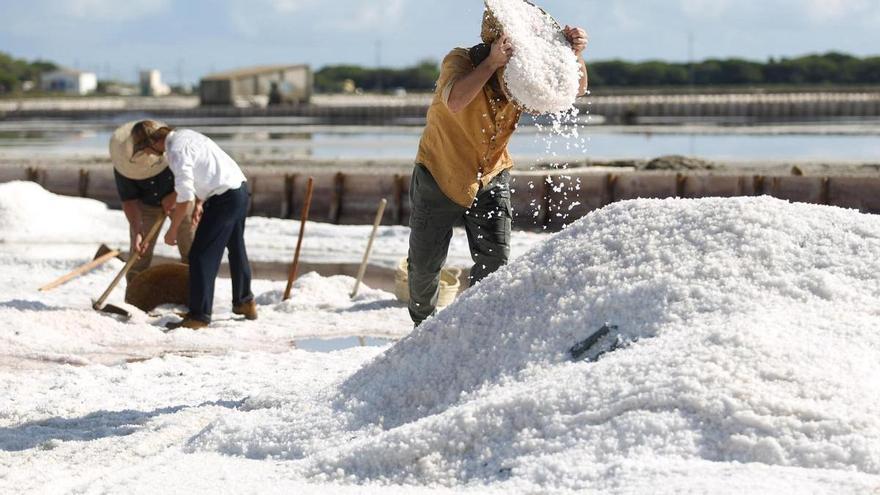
<point>464,151</point>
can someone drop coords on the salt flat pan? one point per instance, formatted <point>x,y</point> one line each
<point>751,343</point>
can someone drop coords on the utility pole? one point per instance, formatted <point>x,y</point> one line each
<point>180,74</point>
<point>379,65</point>
<point>691,75</point>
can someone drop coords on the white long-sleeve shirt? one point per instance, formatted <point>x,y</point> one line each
<point>201,169</point>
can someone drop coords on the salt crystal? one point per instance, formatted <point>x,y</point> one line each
<point>543,75</point>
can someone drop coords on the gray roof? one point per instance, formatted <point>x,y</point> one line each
<point>65,71</point>
<point>252,71</point>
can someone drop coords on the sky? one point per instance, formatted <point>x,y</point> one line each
<point>187,39</point>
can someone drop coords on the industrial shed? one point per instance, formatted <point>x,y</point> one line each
<point>273,84</point>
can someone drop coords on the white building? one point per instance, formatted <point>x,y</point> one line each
<point>152,85</point>
<point>69,81</point>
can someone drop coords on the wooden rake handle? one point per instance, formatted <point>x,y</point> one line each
<point>151,236</point>
<point>95,263</point>
<point>363,268</point>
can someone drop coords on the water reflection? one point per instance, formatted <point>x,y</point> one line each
<point>339,344</point>
<point>831,141</point>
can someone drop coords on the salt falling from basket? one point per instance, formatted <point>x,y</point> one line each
<point>543,74</point>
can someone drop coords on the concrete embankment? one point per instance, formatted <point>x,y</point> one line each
<point>541,199</point>
<point>627,109</point>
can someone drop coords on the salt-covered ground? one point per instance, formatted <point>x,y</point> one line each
<point>748,333</point>
<point>45,235</point>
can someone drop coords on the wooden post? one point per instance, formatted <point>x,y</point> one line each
<point>33,175</point>
<point>826,190</point>
<point>680,184</point>
<point>83,183</point>
<point>759,185</point>
<point>302,227</point>
<point>289,195</point>
<point>337,198</point>
<point>398,199</point>
<point>610,186</point>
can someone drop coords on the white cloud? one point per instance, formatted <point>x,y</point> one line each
<point>372,15</point>
<point>108,10</point>
<point>705,9</point>
<point>838,10</point>
<point>256,18</point>
<point>289,6</point>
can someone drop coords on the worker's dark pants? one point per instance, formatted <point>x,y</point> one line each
<point>221,227</point>
<point>487,223</point>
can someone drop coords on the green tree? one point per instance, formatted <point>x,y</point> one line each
<point>14,71</point>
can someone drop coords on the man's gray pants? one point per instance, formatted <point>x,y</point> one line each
<point>487,223</point>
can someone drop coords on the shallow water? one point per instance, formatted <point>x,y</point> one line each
<point>339,344</point>
<point>285,141</point>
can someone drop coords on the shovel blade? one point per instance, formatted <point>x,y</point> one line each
<point>112,309</point>
<point>104,249</point>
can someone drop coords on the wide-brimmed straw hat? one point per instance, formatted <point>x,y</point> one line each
<point>138,167</point>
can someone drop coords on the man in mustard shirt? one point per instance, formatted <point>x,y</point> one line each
<point>462,167</point>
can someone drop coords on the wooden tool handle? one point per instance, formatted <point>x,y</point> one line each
<point>151,236</point>
<point>95,263</point>
<point>302,227</point>
<point>363,268</point>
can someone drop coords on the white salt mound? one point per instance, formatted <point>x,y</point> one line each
<point>543,75</point>
<point>757,336</point>
<point>29,213</point>
<point>752,367</point>
<point>312,291</point>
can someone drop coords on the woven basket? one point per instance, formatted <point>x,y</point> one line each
<point>161,284</point>
<point>449,284</point>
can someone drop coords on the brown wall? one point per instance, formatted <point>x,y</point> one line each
<point>540,201</point>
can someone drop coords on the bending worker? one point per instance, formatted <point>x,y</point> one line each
<point>211,184</point>
<point>146,189</point>
<point>462,167</point>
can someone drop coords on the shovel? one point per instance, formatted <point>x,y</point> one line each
<point>103,255</point>
<point>109,308</point>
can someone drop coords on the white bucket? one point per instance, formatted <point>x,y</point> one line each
<point>449,284</point>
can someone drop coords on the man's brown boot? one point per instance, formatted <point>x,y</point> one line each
<point>187,322</point>
<point>248,309</point>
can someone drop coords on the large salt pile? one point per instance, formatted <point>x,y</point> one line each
<point>753,338</point>
<point>543,74</point>
<point>756,336</point>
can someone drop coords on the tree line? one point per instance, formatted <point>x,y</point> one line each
<point>824,69</point>
<point>420,77</point>
<point>15,72</point>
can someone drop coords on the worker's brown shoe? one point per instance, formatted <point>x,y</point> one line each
<point>187,322</point>
<point>247,309</point>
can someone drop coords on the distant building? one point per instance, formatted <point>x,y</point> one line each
<point>69,81</point>
<point>264,85</point>
<point>120,89</point>
<point>151,84</point>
